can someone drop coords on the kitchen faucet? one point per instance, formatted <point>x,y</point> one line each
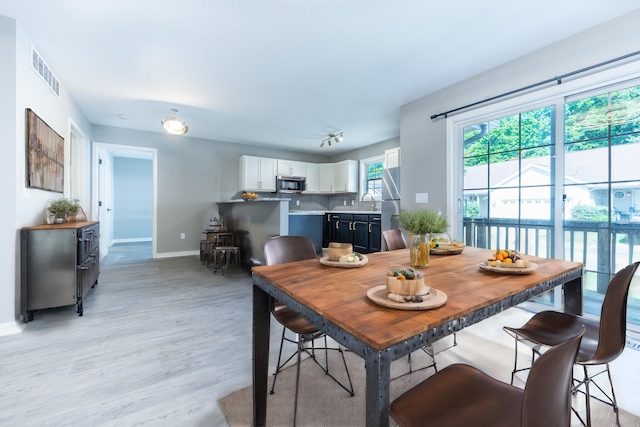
<point>373,201</point>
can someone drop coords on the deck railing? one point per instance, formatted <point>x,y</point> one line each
<point>602,247</point>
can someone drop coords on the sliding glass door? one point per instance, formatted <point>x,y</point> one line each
<point>512,165</point>
<point>602,187</point>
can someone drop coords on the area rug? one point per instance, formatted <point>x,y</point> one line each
<point>323,403</point>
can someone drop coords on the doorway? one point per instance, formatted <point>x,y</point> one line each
<point>107,183</point>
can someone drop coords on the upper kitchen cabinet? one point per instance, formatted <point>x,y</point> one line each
<point>257,174</point>
<point>392,158</point>
<point>346,177</point>
<point>313,178</point>
<point>291,168</point>
<point>325,177</point>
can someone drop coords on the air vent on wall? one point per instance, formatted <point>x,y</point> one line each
<point>43,71</point>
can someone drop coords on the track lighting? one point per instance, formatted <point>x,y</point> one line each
<point>174,125</point>
<point>337,137</point>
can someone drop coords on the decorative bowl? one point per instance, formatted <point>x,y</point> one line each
<point>407,287</point>
<point>336,250</point>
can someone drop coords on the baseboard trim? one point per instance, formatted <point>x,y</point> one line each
<point>136,240</point>
<point>10,328</point>
<point>177,254</point>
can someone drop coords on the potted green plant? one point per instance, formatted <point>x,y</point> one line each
<point>64,209</point>
<point>420,224</point>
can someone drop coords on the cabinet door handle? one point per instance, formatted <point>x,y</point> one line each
<point>369,228</point>
<point>337,225</point>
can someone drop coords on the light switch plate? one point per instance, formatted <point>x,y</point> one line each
<point>422,197</point>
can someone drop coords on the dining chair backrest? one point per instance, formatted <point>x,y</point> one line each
<point>283,249</point>
<point>547,397</point>
<point>613,316</point>
<point>393,239</point>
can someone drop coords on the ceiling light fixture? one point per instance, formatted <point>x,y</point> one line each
<point>335,137</point>
<point>174,125</point>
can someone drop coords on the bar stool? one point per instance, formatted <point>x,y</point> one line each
<point>214,239</point>
<point>223,256</point>
<point>224,251</point>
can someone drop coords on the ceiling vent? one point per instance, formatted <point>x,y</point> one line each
<point>43,71</point>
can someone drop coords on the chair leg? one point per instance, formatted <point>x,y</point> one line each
<point>275,375</point>
<point>535,352</point>
<point>613,397</point>
<point>300,345</point>
<point>587,380</point>
<point>611,400</point>
<point>295,402</point>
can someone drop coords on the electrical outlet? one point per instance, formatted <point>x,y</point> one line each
<point>297,202</point>
<point>353,202</point>
<point>183,236</point>
<point>422,198</point>
<point>344,202</point>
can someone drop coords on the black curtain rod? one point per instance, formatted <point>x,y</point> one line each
<point>557,79</point>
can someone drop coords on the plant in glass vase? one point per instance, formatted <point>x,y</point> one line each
<point>420,224</point>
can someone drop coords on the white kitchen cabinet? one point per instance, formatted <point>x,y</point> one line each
<point>346,177</point>
<point>325,177</point>
<point>257,174</point>
<point>291,168</point>
<point>313,178</point>
<point>392,158</point>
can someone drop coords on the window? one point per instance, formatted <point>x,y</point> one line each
<point>371,176</point>
<point>558,181</point>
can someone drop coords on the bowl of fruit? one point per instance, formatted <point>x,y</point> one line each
<point>406,282</point>
<point>508,261</point>
<point>247,196</point>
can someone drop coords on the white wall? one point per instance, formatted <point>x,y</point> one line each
<point>23,88</point>
<point>423,140</point>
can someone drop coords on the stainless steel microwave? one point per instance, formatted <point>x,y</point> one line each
<point>290,184</point>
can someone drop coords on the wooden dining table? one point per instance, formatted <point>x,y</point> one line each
<point>335,300</point>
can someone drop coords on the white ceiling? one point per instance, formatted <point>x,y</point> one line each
<point>284,73</point>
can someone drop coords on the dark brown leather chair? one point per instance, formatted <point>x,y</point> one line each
<point>461,395</point>
<point>394,240</point>
<point>603,341</point>
<point>280,250</point>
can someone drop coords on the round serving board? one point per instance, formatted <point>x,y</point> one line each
<point>433,299</point>
<point>509,270</point>
<point>447,250</point>
<point>325,261</point>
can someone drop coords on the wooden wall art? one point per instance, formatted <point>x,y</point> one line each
<point>45,155</point>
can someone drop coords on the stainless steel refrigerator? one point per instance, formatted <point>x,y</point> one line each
<point>390,198</point>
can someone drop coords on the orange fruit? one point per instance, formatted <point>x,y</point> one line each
<point>508,260</point>
<point>401,277</point>
<point>499,256</point>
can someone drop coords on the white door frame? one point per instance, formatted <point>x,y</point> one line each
<point>131,152</point>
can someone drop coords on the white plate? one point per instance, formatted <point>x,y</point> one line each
<point>509,270</point>
<point>325,261</point>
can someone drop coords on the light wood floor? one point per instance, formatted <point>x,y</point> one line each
<point>159,343</point>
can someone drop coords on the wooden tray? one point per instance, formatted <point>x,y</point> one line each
<point>509,270</point>
<point>325,261</point>
<point>449,250</point>
<point>433,299</point>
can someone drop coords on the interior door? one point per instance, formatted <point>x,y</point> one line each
<point>105,197</point>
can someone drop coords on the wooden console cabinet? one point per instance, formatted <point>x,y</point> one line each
<point>59,264</point>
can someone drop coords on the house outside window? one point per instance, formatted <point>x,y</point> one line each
<point>371,176</point>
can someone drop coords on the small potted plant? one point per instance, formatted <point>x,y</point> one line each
<point>420,224</point>
<point>64,209</point>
